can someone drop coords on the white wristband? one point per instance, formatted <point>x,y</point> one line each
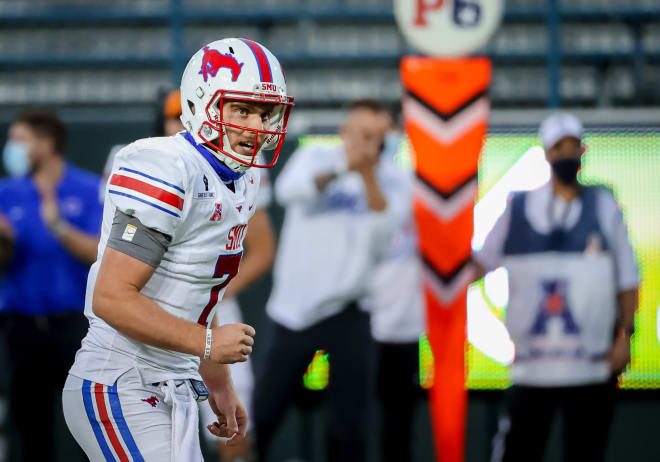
<point>207,347</point>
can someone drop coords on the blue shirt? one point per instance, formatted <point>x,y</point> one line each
<point>43,277</point>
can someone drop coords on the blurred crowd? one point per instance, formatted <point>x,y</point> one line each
<point>346,289</point>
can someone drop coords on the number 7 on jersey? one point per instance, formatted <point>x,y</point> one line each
<point>227,265</point>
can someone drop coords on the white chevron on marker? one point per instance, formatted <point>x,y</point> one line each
<point>448,208</point>
<point>447,292</point>
<point>445,132</point>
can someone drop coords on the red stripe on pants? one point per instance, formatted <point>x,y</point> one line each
<point>105,420</point>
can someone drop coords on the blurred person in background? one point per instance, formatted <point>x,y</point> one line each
<point>573,282</point>
<point>336,225</point>
<point>394,300</point>
<point>49,225</point>
<point>259,245</point>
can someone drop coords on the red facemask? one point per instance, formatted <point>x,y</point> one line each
<point>216,124</point>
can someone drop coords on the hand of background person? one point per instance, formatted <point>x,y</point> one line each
<point>49,209</point>
<point>232,343</point>
<point>619,354</point>
<point>6,240</point>
<point>5,226</point>
<point>360,155</point>
<point>354,156</point>
<point>232,416</point>
<point>369,162</point>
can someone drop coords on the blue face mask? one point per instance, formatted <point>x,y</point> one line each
<point>392,144</point>
<point>15,158</point>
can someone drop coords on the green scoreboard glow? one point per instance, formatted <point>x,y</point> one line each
<point>627,160</point>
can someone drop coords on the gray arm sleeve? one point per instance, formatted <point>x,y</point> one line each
<point>130,236</point>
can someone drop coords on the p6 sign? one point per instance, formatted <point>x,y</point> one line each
<point>448,27</point>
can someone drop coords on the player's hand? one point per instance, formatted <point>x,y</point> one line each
<point>619,354</point>
<point>232,417</point>
<point>232,343</point>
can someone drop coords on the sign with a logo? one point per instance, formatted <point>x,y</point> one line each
<point>448,27</point>
<point>554,305</point>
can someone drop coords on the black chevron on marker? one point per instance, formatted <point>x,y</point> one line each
<point>445,278</point>
<point>448,115</point>
<point>449,194</point>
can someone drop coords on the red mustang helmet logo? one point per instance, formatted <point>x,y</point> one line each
<point>213,61</point>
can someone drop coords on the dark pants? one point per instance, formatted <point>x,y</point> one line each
<point>398,392</point>
<point>41,351</point>
<point>346,338</point>
<point>587,414</point>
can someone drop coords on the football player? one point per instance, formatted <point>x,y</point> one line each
<point>258,258</point>
<point>175,215</point>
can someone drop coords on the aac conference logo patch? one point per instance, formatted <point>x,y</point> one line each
<point>217,214</point>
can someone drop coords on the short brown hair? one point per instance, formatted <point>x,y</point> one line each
<point>46,124</point>
<point>368,103</point>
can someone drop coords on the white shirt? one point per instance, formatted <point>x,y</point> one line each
<point>329,240</point>
<point>169,186</point>
<point>542,204</point>
<point>393,293</point>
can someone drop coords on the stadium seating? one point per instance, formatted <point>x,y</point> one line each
<point>334,50</point>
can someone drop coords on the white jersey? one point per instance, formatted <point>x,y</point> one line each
<point>229,312</point>
<point>329,239</point>
<point>171,187</point>
<point>393,294</point>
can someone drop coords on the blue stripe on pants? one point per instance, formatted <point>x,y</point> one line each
<point>89,408</point>
<point>118,415</point>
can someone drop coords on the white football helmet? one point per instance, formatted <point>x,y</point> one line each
<point>234,69</point>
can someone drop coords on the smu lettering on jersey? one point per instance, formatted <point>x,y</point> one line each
<point>169,186</point>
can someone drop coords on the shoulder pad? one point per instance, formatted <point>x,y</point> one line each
<point>150,183</point>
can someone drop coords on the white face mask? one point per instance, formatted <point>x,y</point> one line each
<point>15,158</point>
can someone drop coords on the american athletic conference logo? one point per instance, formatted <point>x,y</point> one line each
<point>217,214</point>
<point>213,61</point>
<point>554,304</point>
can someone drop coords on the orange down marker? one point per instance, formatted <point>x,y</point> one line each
<point>445,109</point>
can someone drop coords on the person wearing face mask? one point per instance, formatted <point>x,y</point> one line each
<point>573,292</point>
<point>49,223</point>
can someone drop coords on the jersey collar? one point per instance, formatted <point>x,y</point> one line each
<point>226,174</point>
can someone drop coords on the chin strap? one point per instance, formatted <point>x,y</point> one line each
<point>226,174</point>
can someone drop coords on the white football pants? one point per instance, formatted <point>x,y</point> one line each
<point>131,421</point>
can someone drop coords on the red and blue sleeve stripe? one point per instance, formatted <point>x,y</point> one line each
<point>173,186</point>
<point>147,189</point>
<point>139,186</point>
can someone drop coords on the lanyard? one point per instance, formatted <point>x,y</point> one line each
<point>561,224</point>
